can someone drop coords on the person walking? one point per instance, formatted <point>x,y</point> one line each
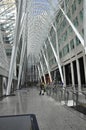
<point>41,89</point>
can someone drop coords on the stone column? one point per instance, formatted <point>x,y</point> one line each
<point>78,75</point>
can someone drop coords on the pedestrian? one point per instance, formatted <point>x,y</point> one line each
<point>41,89</point>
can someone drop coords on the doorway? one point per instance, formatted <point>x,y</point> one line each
<point>75,73</point>
<point>82,72</point>
<point>68,74</point>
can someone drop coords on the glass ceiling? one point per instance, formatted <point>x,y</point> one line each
<point>41,13</point>
<point>7,19</point>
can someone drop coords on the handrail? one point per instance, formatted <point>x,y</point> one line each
<point>67,93</point>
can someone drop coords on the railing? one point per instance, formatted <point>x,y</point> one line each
<point>68,95</point>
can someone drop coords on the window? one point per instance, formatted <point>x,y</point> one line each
<point>83,32</point>
<point>66,49</point>
<point>59,17</point>
<point>72,44</point>
<point>53,38</point>
<point>77,41</point>
<point>59,42</point>
<point>8,52</point>
<point>70,29</point>
<point>66,2</point>
<point>69,14</point>
<point>79,1</point>
<point>81,15</point>
<point>58,31</point>
<point>75,21</point>
<point>73,7</point>
<point>51,31</point>
<point>54,60</point>
<point>6,39</point>
<point>65,36</point>
<point>64,22</point>
<point>51,61</point>
<point>63,25</point>
<point>60,54</point>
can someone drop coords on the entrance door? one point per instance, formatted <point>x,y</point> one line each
<point>82,72</point>
<point>75,73</point>
<point>68,74</point>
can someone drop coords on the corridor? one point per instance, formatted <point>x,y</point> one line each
<point>50,114</point>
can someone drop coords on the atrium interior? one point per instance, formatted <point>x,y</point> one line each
<point>43,42</point>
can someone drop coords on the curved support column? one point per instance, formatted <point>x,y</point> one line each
<point>14,50</point>
<point>84,24</point>
<point>57,60</point>
<point>47,66</point>
<point>70,22</point>
<point>22,56</point>
<point>73,27</point>
<point>39,73</point>
<point>43,72</point>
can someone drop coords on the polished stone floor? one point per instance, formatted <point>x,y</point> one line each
<point>50,114</point>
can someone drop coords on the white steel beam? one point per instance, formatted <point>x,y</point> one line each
<point>70,23</point>
<point>46,62</point>
<point>73,27</point>
<point>21,26</point>
<point>84,26</point>
<point>59,64</point>
<point>57,48</point>
<point>42,71</point>
<point>22,54</point>
<point>46,51</point>
<point>39,73</point>
<point>84,21</point>
<point>57,59</point>
<point>14,50</point>
<point>65,9</point>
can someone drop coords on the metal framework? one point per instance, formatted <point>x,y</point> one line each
<point>41,17</point>
<point>46,62</point>
<point>42,72</point>
<point>57,59</point>
<point>15,47</point>
<point>84,22</point>
<point>39,73</point>
<point>22,53</point>
<point>70,23</point>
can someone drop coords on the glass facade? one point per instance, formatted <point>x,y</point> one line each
<point>64,30</point>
